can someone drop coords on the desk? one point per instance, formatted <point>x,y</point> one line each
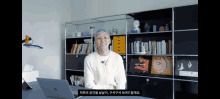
<point>37,93</point>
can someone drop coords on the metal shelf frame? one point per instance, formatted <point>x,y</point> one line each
<point>96,20</point>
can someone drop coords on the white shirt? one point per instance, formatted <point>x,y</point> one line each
<point>97,75</point>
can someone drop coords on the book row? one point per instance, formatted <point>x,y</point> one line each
<point>81,48</point>
<point>152,47</point>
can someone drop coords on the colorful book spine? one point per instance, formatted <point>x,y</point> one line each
<point>146,46</point>
<point>88,47</point>
<point>150,47</point>
<point>72,48</point>
<point>154,47</point>
<point>77,48</point>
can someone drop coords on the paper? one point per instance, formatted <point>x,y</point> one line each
<point>28,68</point>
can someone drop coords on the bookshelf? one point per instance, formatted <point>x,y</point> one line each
<point>183,34</point>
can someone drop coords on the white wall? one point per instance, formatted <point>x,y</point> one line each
<point>43,21</point>
<point>86,9</point>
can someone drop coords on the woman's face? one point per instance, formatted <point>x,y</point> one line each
<point>102,41</point>
<point>159,65</point>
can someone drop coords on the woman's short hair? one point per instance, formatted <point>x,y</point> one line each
<point>101,31</point>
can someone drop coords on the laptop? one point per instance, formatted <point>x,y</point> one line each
<point>57,89</point>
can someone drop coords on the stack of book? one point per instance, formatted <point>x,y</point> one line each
<point>81,48</point>
<point>152,47</point>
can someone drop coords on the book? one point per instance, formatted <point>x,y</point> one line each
<point>77,47</point>
<point>163,47</point>
<point>137,46</point>
<point>72,48</point>
<point>85,49</point>
<point>71,80</point>
<point>160,47</point>
<point>143,47</point>
<point>80,48</point>
<point>81,52</point>
<point>169,46</point>
<point>132,48</point>
<point>157,47</point>
<point>88,47</point>
<point>150,47</point>
<point>154,47</point>
<point>146,46</point>
<point>140,46</point>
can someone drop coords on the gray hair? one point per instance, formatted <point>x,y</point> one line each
<point>101,31</point>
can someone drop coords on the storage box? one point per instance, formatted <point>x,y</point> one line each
<point>85,33</point>
<point>134,31</point>
<point>119,44</point>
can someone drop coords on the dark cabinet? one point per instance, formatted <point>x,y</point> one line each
<point>186,17</point>
<point>75,62</point>
<point>151,87</point>
<point>185,90</point>
<point>186,42</point>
